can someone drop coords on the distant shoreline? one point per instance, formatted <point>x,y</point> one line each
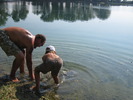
<point>126,3</point>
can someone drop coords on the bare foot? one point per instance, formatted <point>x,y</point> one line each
<point>33,88</point>
<point>14,79</point>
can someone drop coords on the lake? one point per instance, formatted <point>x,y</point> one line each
<point>95,42</point>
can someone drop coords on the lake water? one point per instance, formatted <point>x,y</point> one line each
<point>95,42</point>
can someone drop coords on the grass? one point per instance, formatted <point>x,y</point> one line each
<point>21,91</point>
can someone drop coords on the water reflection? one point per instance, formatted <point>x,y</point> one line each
<point>50,11</point>
<point>3,13</point>
<point>19,11</point>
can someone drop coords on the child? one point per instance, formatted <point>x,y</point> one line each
<point>51,62</point>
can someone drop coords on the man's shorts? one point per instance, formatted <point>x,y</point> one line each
<point>7,45</point>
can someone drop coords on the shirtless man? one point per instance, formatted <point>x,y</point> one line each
<point>20,43</point>
<point>51,63</point>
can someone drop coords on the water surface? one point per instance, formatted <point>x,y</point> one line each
<point>95,43</point>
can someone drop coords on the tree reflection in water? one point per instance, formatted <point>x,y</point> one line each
<point>50,11</point>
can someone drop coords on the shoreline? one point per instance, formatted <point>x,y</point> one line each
<point>21,90</point>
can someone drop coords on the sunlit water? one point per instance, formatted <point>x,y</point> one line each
<point>95,42</point>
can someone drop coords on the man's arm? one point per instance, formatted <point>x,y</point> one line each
<point>29,62</point>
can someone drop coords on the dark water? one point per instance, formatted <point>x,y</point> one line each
<point>95,43</point>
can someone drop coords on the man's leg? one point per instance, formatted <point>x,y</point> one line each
<point>16,63</point>
<point>22,66</point>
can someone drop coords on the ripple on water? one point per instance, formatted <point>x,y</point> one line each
<point>83,83</point>
<point>80,82</point>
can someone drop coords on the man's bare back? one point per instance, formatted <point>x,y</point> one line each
<point>21,37</point>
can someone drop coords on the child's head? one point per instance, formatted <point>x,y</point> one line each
<point>50,48</point>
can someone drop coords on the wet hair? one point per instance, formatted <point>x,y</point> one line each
<point>40,36</point>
